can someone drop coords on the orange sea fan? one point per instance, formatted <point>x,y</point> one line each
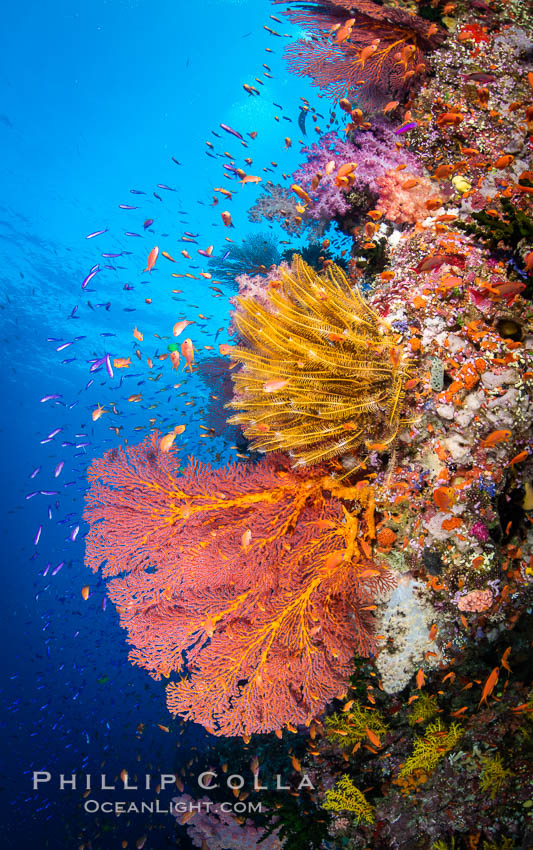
<point>246,580</point>
<point>344,68</point>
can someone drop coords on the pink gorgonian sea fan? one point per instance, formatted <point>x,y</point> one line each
<point>362,51</point>
<point>245,581</point>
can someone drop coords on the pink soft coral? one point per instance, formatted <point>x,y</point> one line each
<point>218,829</point>
<point>476,600</point>
<point>399,203</point>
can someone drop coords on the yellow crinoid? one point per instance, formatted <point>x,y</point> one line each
<point>322,374</point>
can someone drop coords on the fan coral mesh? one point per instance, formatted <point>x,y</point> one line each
<point>342,67</point>
<point>246,580</point>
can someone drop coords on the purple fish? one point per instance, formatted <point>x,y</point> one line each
<point>148,222</point>
<point>74,310</point>
<point>62,347</point>
<point>104,603</point>
<point>49,512</point>
<point>96,233</point>
<point>405,128</point>
<point>108,365</point>
<point>232,131</point>
<point>58,469</point>
<point>35,471</point>
<point>37,536</point>
<point>127,233</point>
<point>112,255</point>
<point>137,192</point>
<point>96,364</point>
<point>50,397</point>
<point>49,492</point>
<point>74,533</point>
<point>95,269</point>
<point>53,433</point>
<point>31,495</point>
<point>162,186</point>
<point>127,207</point>
<point>45,571</point>
<point>56,570</point>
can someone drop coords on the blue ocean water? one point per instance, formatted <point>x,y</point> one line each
<point>107,104</point>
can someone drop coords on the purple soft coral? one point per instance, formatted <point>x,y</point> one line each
<point>374,151</point>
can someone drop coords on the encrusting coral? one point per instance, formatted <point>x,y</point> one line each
<point>321,373</point>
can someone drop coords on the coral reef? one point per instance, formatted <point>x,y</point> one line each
<point>368,583</point>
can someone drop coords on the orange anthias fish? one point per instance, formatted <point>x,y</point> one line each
<point>97,412</point>
<point>444,498</point>
<point>122,362</point>
<point>188,352</point>
<point>301,194</point>
<point>152,257</point>
<point>251,178</point>
<point>180,326</point>
<point>226,218</point>
<point>496,437</point>
<point>137,334</point>
<point>175,359</point>
<point>489,685</point>
<point>275,384</point>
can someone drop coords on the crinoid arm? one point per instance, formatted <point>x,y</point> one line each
<point>321,373</point>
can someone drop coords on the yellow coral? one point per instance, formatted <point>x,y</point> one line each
<point>321,372</point>
<point>423,709</point>
<point>346,797</point>
<point>494,775</point>
<point>428,751</point>
<point>347,729</point>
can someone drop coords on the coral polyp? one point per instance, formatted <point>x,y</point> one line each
<point>321,373</point>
